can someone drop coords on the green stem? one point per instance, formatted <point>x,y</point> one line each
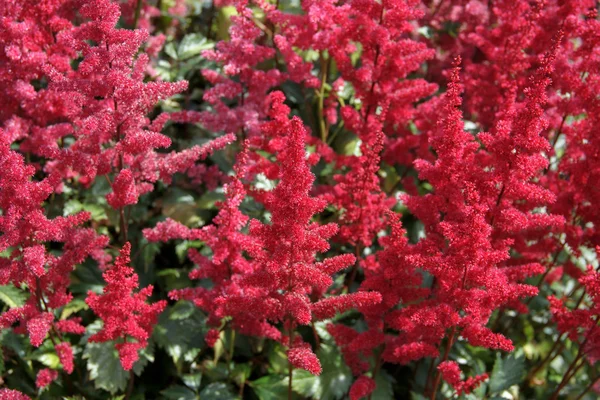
<point>354,271</point>
<point>123,224</point>
<point>290,366</point>
<point>554,351</point>
<point>316,334</point>
<point>210,20</point>
<point>377,365</point>
<point>573,368</point>
<point>438,375</point>
<point>588,388</point>
<point>567,376</point>
<point>130,385</point>
<point>323,128</point>
<point>138,11</point>
<point>231,349</point>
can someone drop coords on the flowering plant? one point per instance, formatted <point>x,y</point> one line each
<point>310,199</point>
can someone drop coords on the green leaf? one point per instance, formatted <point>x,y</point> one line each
<point>71,207</point>
<point>180,205</point>
<point>506,372</point>
<point>347,143</point>
<point>170,50</point>
<point>11,296</point>
<point>417,396</point>
<point>180,331</point>
<point>173,272</point>
<point>146,356</point>
<point>241,373</point>
<point>384,389</point>
<point>192,380</point>
<point>179,392</point>
<point>73,307</point>
<point>74,206</point>
<point>182,248</point>
<point>105,367</point>
<point>14,342</point>
<point>2,367</point>
<point>278,363</point>
<point>270,387</point>
<point>224,21</point>
<point>208,200</point>
<point>46,356</point>
<point>192,45</point>
<point>305,383</point>
<point>321,328</point>
<point>215,371</point>
<point>86,277</point>
<point>174,278</point>
<point>333,383</point>
<point>148,254</point>
<point>218,391</point>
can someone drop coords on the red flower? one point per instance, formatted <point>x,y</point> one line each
<point>65,355</point>
<point>45,377</point>
<point>8,394</point>
<point>304,358</point>
<point>362,387</point>
<point>125,314</point>
<point>124,190</point>
<point>451,373</point>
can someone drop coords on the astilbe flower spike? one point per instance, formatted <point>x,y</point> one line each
<point>386,98</point>
<point>8,394</point>
<point>496,69</point>
<point>575,173</point>
<point>515,148</point>
<point>580,324</point>
<point>525,132</point>
<point>25,231</point>
<point>227,266</point>
<point>45,377</point>
<point>451,373</point>
<point>465,264</point>
<point>128,319</point>
<point>459,251</point>
<point>101,105</point>
<point>287,283</point>
<point>304,358</point>
<point>65,355</point>
<point>392,272</point>
<point>500,169</point>
<point>240,79</point>
<point>362,387</point>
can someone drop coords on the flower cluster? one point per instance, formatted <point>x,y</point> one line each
<point>27,234</point>
<point>386,188</point>
<point>118,295</point>
<point>286,284</point>
<point>76,102</point>
<point>451,373</point>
